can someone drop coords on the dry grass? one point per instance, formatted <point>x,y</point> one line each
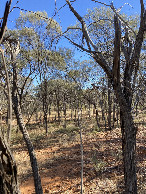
<point>59,158</point>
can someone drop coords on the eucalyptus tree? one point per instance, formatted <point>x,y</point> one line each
<point>40,49</point>
<point>117,50</point>
<point>22,60</point>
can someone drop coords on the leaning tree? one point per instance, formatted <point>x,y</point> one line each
<point>121,67</point>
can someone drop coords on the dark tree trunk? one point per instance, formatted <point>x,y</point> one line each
<point>103,117</point>
<point>71,113</point>
<point>109,105</point>
<point>117,117</point>
<point>114,118</point>
<point>75,116</point>
<point>45,105</point>
<point>96,112</point>
<point>128,131</point>
<point>58,110</point>
<point>89,108</point>
<point>8,170</point>
<point>64,110</point>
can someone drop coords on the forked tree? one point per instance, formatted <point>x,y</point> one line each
<point>129,51</point>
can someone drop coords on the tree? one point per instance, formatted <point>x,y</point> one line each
<point>8,169</point>
<point>42,48</point>
<point>128,50</point>
<point>14,45</point>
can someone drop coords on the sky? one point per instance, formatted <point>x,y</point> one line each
<point>64,17</point>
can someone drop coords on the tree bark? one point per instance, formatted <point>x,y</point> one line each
<point>33,160</point>
<point>109,105</point>
<point>8,169</point>
<point>128,131</point>
<point>64,110</point>
<point>114,118</point>
<point>22,127</point>
<point>96,112</point>
<point>9,98</point>
<point>45,105</point>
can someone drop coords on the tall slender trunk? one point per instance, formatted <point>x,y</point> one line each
<point>22,127</point>
<point>33,160</point>
<point>81,145</point>
<point>9,98</point>
<point>89,108</point>
<point>45,105</point>
<point>96,111</point>
<point>109,105</point>
<point>58,110</point>
<point>114,119</point>
<point>64,110</point>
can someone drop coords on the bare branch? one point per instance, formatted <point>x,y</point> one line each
<point>84,27</point>
<point>123,6</point>
<point>102,62</point>
<point>106,19</point>
<point>5,18</point>
<point>116,60</point>
<point>139,38</point>
<point>101,3</point>
<point>96,54</point>
<point>79,46</point>
<point>117,12</point>
<point>73,28</point>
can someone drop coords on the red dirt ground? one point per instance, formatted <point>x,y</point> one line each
<point>59,162</point>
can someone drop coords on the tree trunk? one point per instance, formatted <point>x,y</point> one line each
<point>114,119</point>
<point>109,105</point>
<point>33,160</point>
<point>64,110</point>
<point>89,109</point>
<point>58,110</point>
<point>96,111</point>
<point>128,131</point>
<point>117,117</point>
<point>128,147</point>
<point>8,170</point>
<point>9,98</point>
<point>22,127</point>
<point>45,105</point>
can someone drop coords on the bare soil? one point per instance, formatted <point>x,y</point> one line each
<point>59,159</point>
